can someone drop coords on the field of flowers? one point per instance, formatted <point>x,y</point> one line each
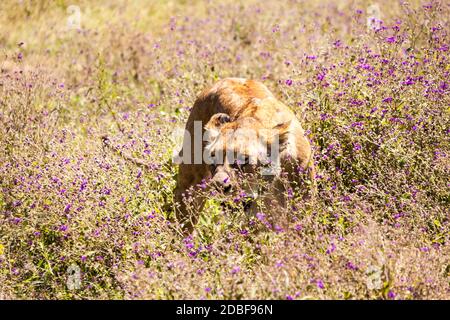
<point>370,81</point>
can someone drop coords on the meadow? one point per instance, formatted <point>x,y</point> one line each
<point>369,81</point>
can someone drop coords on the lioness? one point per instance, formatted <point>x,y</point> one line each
<point>243,131</point>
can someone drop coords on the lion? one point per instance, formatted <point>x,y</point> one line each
<point>246,136</point>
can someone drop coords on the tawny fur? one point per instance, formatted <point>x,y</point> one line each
<point>249,104</point>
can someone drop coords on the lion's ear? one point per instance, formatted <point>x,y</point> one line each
<point>217,121</point>
<point>282,131</point>
<point>214,124</point>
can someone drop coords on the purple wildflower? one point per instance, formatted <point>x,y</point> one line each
<point>320,284</point>
<point>235,270</point>
<point>390,39</point>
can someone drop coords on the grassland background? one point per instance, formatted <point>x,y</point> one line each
<point>374,101</point>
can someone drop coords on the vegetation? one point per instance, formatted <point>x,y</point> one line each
<point>369,81</point>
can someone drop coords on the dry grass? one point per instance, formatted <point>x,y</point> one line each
<point>375,103</point>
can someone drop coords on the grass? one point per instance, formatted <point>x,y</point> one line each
<point>373,97</point>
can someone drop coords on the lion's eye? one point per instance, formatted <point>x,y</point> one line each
<point>212,157</point>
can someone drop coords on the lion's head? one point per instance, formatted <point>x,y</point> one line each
<point>243,150</point>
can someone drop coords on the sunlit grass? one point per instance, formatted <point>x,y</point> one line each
<point>372,96</point>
